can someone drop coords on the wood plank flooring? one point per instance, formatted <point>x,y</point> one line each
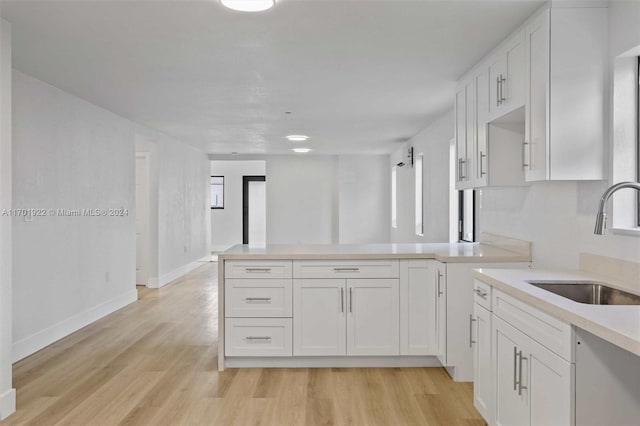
<point>154,363</point>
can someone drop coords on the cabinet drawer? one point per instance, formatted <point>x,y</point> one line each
<point>258,337</point>
<point>554,334</point>
<point>257,269</point>
<point>346,269</point>
<point>258,298</point>
<point>482,294</point>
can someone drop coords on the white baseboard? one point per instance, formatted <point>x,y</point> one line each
<point>49,335</point>
<point>7,403</point>
<point>177,273</point>
<point>332,361</point>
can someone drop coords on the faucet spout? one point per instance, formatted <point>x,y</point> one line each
<point>601,217</point>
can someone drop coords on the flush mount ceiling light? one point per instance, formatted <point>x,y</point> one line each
<point>297,138</point>
<point>301,150</point>
<point>248,5</point>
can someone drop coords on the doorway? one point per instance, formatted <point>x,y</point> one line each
<point>142,218</point>
<point>254,210</point>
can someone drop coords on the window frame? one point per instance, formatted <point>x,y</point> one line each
<point>419,193</point>
<point>461,216</point>
<point>223,192</point>
<point>394,197</point>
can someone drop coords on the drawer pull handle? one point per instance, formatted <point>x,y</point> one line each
<point>346,269</point>
<point>481,293</point>
<point>259,338</point>
<point>258,269</point>
<point>471,321</point>
<point>258,299</point>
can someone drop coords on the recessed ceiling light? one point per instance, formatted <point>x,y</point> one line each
<point>248,5</point>
<point>297,138</point>
<point>301,150</point>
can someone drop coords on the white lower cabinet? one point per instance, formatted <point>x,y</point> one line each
<point>372,320</point>
<point>265,337</point>
<point>482,368</point>
<point>345,317</point>
<point>440,279</point>
<point>418,307</point>
<point>533,386</point>
<point>319,317</point>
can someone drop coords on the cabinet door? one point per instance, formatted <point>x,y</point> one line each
<point>417,307</point>
<point>482,119</point>
<point>550,386</point>
<point>482,369</point>
<point>440,279</point>
<point>514,82</point>
<point>461,135</point>
<point>496,72</point>
<point>468,163</point>
<point>373,320</point>
<point>536,143</point>
<point>319,317</point>
<point>511,406</point>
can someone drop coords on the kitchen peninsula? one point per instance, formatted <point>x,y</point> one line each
<point>355,305</point>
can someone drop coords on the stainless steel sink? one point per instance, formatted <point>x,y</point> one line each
<point>592,293</point>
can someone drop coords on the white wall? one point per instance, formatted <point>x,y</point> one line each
<point>434,143</point>
<point>7,393</point>
<point>226,224</point>
<point>184,220</point>
<point>68,154</point>
<point>302,199</point>
<point>364,191</point>
<point>558,217</point>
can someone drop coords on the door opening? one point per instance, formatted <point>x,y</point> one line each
<point>142,218</point>
<point>254,210</point>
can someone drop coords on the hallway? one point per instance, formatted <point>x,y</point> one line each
<point>154,363</point>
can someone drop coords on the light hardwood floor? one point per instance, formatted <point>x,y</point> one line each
<point>154,363</point>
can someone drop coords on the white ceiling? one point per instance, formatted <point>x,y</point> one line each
<point>357,76</point>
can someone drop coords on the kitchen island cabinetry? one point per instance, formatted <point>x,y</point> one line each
<point>356,308</point>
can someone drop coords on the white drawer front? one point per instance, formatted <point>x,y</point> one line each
<point>554,334</point>
<point>258,337</point>
<point>346,268</point>
<point>482,294</point>
<point>257,269</point>
<point>258,298</point>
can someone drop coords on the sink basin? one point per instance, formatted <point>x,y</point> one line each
<point>592,293</point>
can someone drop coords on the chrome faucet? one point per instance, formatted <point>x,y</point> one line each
<point>601,218</point>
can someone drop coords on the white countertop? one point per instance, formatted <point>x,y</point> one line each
<point>619,325</point>
<point>444,252</point>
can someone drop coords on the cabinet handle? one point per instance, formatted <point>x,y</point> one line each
<point>498,91</point>
<point>471,320</point>
<point>525,145</point>
<point>258,299</point>
<point>351,299</point>
<point>346,269</point>
<point>520,387</point>
<point>459,171</point>
<point>257,269</point>
<point>503,80</point>
<point>341,300</point>
<point>482,156</point>
<point>515,368</point>
<point>481,293</point>
<point>440,293</point>
<point>259,338</point>
<point>463,174</point>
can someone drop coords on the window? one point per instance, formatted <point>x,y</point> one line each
<point>466,215</point>
<point>217,192</point>
<point>418,197</point>
<point>394,198</point>
<point>638,139</point>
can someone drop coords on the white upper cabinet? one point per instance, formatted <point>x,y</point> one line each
<point>507,77</point>
<point>465,134</point>
<point>565,94</point>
